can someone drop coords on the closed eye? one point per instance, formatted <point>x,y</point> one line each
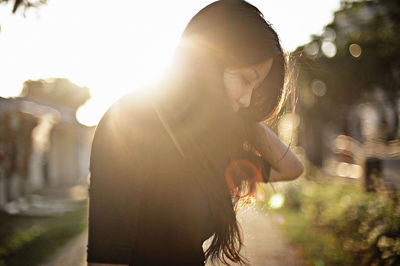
<point>244,81</point>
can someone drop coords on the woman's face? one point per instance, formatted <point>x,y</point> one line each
<point>241,82</point>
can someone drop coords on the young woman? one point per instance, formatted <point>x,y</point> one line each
<point>166,171</point>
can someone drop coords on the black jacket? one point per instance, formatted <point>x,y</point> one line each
<point>145,205</point>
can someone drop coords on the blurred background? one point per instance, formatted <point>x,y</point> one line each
<point>63,63</point>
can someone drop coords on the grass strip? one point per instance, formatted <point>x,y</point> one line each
<point>32,246</point>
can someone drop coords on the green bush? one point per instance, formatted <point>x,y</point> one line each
<point>363,227</point>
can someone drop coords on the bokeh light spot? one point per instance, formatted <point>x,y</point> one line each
<point>356,171</point>
<point>280,219</point>
<point>312,49</point>
<point>276,201</point>
<point>329,49</point>
<point>260,196</point>
<point>355,50</point>
<point>329,34</point>
<point>318,87</point>
<point>349,170</point>
<point>241,170</point>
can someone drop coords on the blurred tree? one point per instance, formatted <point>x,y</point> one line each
<point>25,4</point>
<point>355,60</point>
<point>59,91</point>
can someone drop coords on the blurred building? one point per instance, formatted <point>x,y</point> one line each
<point>41,145</point>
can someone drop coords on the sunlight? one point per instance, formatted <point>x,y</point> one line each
<point>91,112</point>
<point>113,48</point>
<point>276,201</point>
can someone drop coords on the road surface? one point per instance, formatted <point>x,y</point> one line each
<point>264,243</point>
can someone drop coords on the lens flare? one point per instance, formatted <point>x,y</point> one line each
<point>280,219</point>
<point>238,171</point>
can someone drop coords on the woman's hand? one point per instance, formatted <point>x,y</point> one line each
<point>284,164</point>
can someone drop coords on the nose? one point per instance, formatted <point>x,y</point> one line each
<point>244,100</point>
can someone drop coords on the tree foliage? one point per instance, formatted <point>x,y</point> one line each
<point>372,26</point>
<point>356,55</point>
<point>25,4</point>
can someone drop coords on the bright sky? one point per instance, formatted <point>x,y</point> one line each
<point>113,47</point>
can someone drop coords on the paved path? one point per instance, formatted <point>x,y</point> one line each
<point>264,243</point>
<point>72,254</point>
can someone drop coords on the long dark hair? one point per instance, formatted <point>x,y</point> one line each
<point>226,33</point>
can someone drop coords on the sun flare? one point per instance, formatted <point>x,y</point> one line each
<point>115,48</point>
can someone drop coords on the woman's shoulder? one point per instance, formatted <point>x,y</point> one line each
<point>130,112</point>
<point>130,122</point>
<point>130,107</point>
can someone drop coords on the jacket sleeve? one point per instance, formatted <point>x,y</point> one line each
<point>265,171</point>
<point>116,184</point>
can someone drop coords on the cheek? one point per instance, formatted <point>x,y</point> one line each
<point>232,87</point>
